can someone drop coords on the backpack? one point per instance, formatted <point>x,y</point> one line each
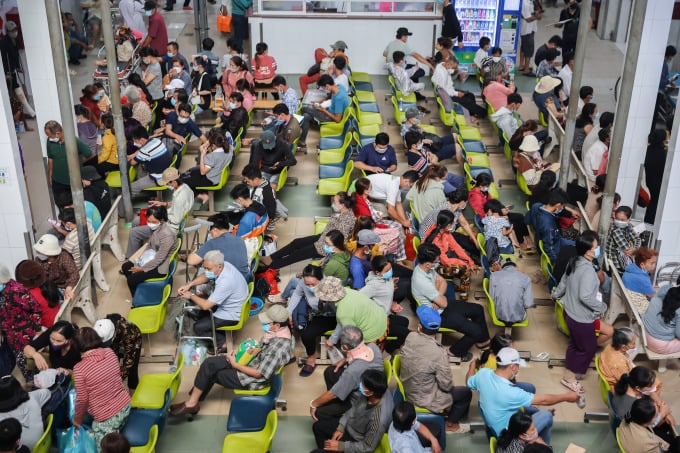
<point>262,288</point>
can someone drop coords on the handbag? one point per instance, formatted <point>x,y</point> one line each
<point>644,195</point>
<point>577,192</point>
<point>223,20</point>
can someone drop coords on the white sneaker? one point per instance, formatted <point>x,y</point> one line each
<point>277,299</point>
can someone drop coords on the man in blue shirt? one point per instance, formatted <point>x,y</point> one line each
<point>319,113</point>
<point>377,157</point>
<point>499,397</point>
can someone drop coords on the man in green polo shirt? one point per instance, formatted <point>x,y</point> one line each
<point>57,166</point>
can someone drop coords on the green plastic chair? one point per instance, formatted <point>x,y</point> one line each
<point>605,388</point>
<point>253,442</point>
<point>113,178</point>
<point>384,446</point>
<point>559,316</point>
<point>45,442</point>
<point>522,184</point>
<point>618,441</point>
<point>150,392</point>
<point>492,309</point>
<point>492,444</point>
<point>150,318</point>
<point>245,313</point>
<point>150,446</point>
<point>331,186</point>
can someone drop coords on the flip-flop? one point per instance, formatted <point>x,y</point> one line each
<point>307,370</point>
<point>573,386</point>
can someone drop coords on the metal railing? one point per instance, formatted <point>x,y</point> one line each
<point>83,296</point>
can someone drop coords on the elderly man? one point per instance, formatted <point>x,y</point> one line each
<point>276,346</point>
<point>226,300</point>
<point>57,167</point>
<point>362,427</point>
<point>232,247</point>
<point>511,292</point>
<point>426,374</point>
<point>342,380</point>
<point>499,398</point>
<point>182,201</point>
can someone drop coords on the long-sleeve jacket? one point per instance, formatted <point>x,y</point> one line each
<point>447,244</point>
<point>62,271</point>
<point>164,242</point>
<point>127,341</point>
<point>547,230</point>
<point>366,424</point>
<point>272,161</point>
<point>109,152</point>
<point>578,292</point>
<point>21,315</point>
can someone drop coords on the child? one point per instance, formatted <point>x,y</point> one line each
<point>405,432</point>
<point>497,225</point>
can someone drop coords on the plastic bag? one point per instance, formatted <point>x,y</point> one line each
<point>247,351</point>
<point>78,440</point>
<point>223,21</point>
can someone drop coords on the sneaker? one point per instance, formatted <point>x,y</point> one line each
<point>462,429</point>
<point>277,299</point>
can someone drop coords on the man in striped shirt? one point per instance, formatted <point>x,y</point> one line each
<point>153,157</point>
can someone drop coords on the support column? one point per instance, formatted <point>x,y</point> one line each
<point>645,87</point>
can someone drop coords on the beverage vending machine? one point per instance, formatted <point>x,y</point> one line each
<point>496,19</point>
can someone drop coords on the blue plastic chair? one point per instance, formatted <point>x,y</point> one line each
<point>151,292</point>
<point>249,413</point>
<point>140,421</point>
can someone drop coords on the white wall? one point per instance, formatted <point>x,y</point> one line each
<point>366,39</point>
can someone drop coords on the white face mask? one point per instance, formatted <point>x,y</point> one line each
<point>450,71</point>
<point>53,139</point>
<point>195,67</point>
<point>153,226</point>
<point>41,257</point>
<point>496,59</point>
<point>177,69</point>
<point>183,120</point>
<point>232,69</point>
<point>620,223</point>
<point>13,34</point>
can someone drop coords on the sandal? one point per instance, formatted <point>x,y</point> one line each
<point>573,386</point>
<point>307,370</point>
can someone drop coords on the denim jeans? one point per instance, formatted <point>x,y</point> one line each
<point>543,421</point>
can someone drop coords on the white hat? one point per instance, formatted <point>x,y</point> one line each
<point>547,83</point>
<point>105,329</point>
<point>48,245</point>
<point>175,84</point>
<point>530,144</point>
<point>509,356</point>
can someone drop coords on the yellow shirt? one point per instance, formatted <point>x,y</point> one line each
<point>109,151</point>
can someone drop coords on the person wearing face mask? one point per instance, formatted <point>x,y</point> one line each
<point>637,276</point>
<point>520,432</point>
<point>444,147</point>
<point>361,428</point>
<point>178,71</point>
<point>655,163</point>
<point>359,265</point>
<point>455,202</point>
<point>169,53</point>
<point>622,241</point>
<point>140,110</point>
<point>583,309</point>
<point>569,19</point>
<point>494,66</point>
<point>162,242</point>
<point>252,219</point>
<point>177,126</point>
<point>377,157</point>
<point>9,51</point>
<point>90,98</point>
<point>303,248</point>
<point>402,80</point>
<point>212,159</point>
<point>236,120</point>
<point>276,350</point>
<point>152,75</point>
<point>499,398</point>
<point>236,70</point>
<point>151,158</point>
<point>529,162</point>
<point>31,274</point>
<point>233,248</point>
<point>496,93</point>
<point>157,37</point>
<point>288,94</point>
<point>441,77</point>
<point>640,383</point>
<point>637,432</point>
<point>58,264</point>
<point>597,155</point>
<point>388,189</point>
<point>69,229</point>
<point>202,82</point>
<point>61,353</point>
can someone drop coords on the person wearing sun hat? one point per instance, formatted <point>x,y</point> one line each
<point>426,374</point>
<point>58,264</point>
<point>546,98</point>
<point>529,161</point>
<point>276,352</point>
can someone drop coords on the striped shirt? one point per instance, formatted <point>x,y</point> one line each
<point>155,157</point>
<point>99,387</point>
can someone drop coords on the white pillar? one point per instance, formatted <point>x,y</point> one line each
<point>15,221</point>
<point>40,64</point>
<point>648,72</point>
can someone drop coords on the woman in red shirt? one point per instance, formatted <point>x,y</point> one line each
<point>31,274</point>
<point>264,67</point>
<point>90,99</point>
<point>99,388</point>
<point>452,255</point>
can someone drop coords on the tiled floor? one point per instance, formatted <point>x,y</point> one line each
<point>294,434</point>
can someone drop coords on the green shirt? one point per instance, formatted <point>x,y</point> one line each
<point>337,266</point>
<point>57,152</point>
<point>357,309</point>
<point>394,46</point>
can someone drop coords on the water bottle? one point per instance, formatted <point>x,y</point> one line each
<point>401,105</point>
<point>219,97</point>
<point>187,349</point>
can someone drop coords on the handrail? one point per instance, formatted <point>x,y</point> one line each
<point>585,221</point>
<point>83,296</point>
<point>107,234</point>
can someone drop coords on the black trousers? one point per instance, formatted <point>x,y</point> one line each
<point>216,370</point>
<point>299,249</point>
<point>464,241</point>
<point>323,430</point>
<point>133,280</point>
<point>336,408</point>
<point>193,178</point>
<point>468,319</point>
<point>461,404</point>
<point>519,225</point>
<point>398,327</point>
<point>314,329</point>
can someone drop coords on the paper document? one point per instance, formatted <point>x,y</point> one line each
<point>640,228</point>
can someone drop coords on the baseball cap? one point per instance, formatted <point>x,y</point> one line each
<point>105,329</point>
<point>268,140</point>
<point>428,317</point>
<point>276,313</point>
<point>339,45</point>
<point>89,173</point>
<point>330,289</point>
<point>367,237</point>
<point>403,31</point>
<point>169,174</point>
<point>509,356</point>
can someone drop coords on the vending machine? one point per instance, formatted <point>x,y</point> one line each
<point>496,19</point>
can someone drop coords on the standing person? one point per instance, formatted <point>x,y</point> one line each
<point>133,15</point>
<point>58,172</point>
<point>527,29</point>
<point>655,163</point>
<point>665,82</point>
<point>569,18</point>
<point>578,290</point>
<point>100,391</point>
<point>239,21</point>
<point>152,74</point>
<point>450,24</point>
<point>157,37</point>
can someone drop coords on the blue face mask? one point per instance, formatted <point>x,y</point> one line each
<point>2,287</point>
<point>310,288</point>
<point>265,327</point>
<point>327,249</point>
<point>97,97</point>
<point>388,275</point>
<point>232,105</point>
<point>597,252</point>
<point>597,116</point>
<point>210,275</point>
<point>170,54</point>
<point>558,211</point>
<point>173,102</point>
<point>148,13</point>
<point>362,390</point>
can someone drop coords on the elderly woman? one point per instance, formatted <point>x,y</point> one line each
<point>615,359</point>
<point>637,276</point>
<point>58,264</point>
<point>140,110</point>
<point>154,262</point>
<point>31,274</point>
<point>23,406</point>
<point>100,391</point>
<point>583,308</point>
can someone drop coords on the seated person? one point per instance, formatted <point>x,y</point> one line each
<point>25,407</point>
<point>177,126</point>
<point>441,77</point>
<point>283,123</point>
<point>402,80</point>
<point>636,432</point>
<point>214,155</point>
<point>452,256</point>
<point>249,97</point>
<point>529,163</point>
<point>377,157</point>
<point>661,321</point>
<point>359,265</point>
<point>546,97</point>
<point>615,359</point>
<point>202,83</point>
<point>444,147</point>
<point>62,355</point>
<point>554,42</point>
<point>71,242</point>
<point>622,241</point>
<point>288,95</point>
<point>151,158</point>
<point>496,93</point>
<point>57,264</point>
<point>543,217</point>
<point>154,262</point>
<point>343,381</point>
<point>338,70</point>
<point>32,276</point>
<point>237,120</point>
<point>499,398</point>
<point>225,301</point>
<point>271,155</point>
<point>362,427</point>
<point>420,159</point>
<point>498,227</point>
<point>125,339</point>
<point>339,102</point>
<point>253,220</point>
<point>511,292</point>
<point>261,190</point>
<point>482,53</point>
<point>521,431</point>
<point>177,208</point>
<point>494,65</point>
<point>178,71</point>
<point>427,377</point>
<point>637,276</point>
<point>405,432</point>
<point>430,289</point>
<point>276,346</point>
<point>548,66</point>
<point>10,436</point>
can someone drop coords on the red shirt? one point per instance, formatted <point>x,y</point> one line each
<point>158,33</point>
<point>92,105</point>
<point>48,313</point>
<point>476,200</point>
<point>266,69</point>
<point>99,388</point>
